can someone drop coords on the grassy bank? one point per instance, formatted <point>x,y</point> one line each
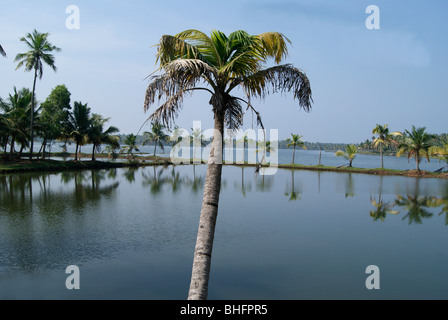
<point>25,165</point>
<point>46,165</point>
<point>376,171</point>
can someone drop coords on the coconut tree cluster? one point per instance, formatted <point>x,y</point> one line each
<point>54,120</point>
<point>417,144</point>
<point>23,118</point>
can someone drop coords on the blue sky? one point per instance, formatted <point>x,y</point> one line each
<point>359,77</point>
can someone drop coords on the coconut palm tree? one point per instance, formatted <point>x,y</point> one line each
<point>440,152</point>
<point>416,144</point>
<point>197,139</point>
<point>39,53</point>
<point>350,153</point>
<point>81,124</point>
<point>295,141</point>
<point>130,145</point>
<point>175,135</point>
<point>17,111</point>
<point>383,138</point>
<point>157,135</point>
<point>219,64</point>
<point>98,136</point>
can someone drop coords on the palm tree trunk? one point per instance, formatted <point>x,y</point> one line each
<point>293,154</point>
<point>381,154</point>
<point>76,152</point>
<point>11,151</point>
<point>93,152</point>
<point>44,145</point>
<point>155,147</point>
<point>32,116</point>
<point>21,151</point>
<point>207,221</point>
<point>417,161</point>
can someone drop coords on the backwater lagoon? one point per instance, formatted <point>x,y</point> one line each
<point>292,235</point>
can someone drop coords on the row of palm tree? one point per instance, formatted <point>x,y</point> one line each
<point>53,121</point>
<point>416,143</point>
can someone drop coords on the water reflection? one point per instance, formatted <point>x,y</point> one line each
<point>381,208</point>
<point>146,214</point>
<point>40,216</point>
<point>293,194</point>
<point>415,206</point>
<point>243,187</point>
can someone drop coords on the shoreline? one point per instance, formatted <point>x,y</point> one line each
<point>49,165</point>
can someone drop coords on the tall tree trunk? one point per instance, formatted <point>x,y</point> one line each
<point>21,150</point>
<point>12,148</point>
<point>155,147</point>
<point>209,212</point>
<point>381,154</point>
<point>93,152</point>
<point>293,154</point>
<point>76,152</point>
<point>32,115</point>
<point>44,145</point>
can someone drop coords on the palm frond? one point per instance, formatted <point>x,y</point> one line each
<point>2,51</point>
<point>274,44</point>
<point>284,78</point>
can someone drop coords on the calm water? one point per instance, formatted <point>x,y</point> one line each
<point>293,235</point>
<point>284,156</point>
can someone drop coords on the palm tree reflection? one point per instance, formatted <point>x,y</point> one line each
<point>416,207</point>
<point>381,208</point>
<point>293,195</point>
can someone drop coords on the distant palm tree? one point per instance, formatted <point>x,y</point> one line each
<point>175,135</point>
<point>197,138</point>
<point>130,144</point>
<point>384,138</point>
<point>295,141</point>
<point>218,64</point>
<point>17,113</point>
<point>440,151</point>
<point>349,154</point>
<point>2,52</point>
<point>416,144</point>
<point>81,123</point>
<point>98,136</point>
<point>157,135</point>
<point>39,51</point>
<point>264,147</point>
